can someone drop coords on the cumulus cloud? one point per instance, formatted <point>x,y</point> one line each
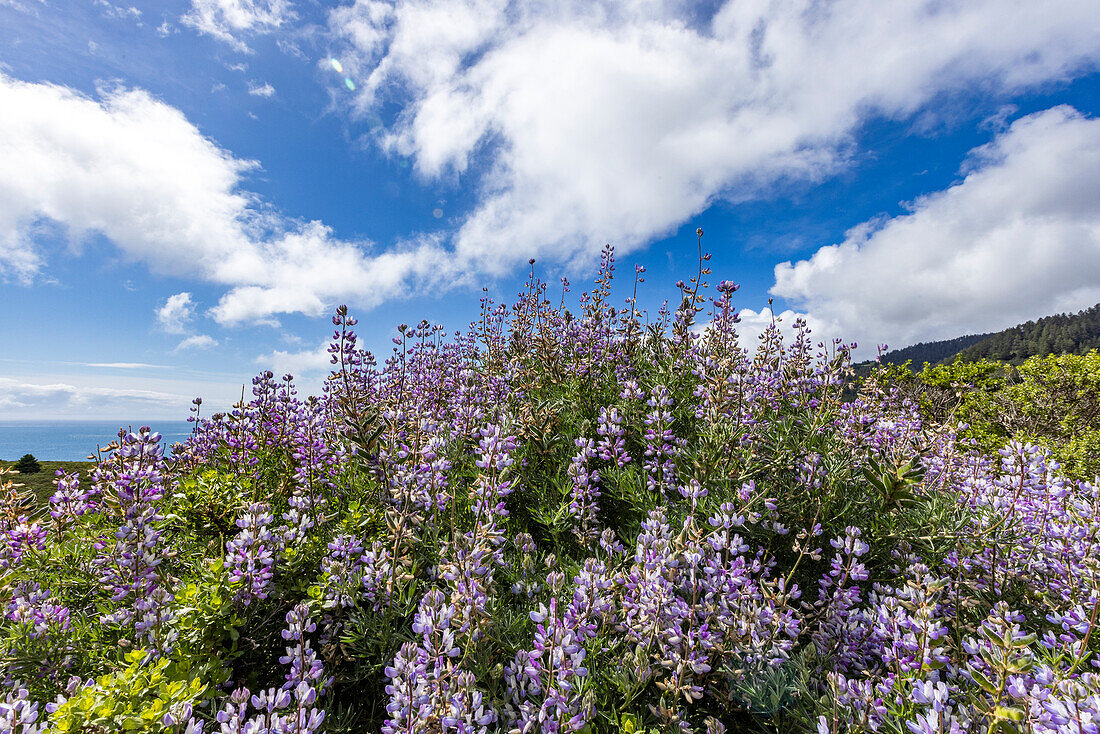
<point>232,21</point>
<point>1017,238</point>
<point>580,123</point>
<point>136,170</point>
<point>264,90</point>
<point>176,313</point>
<point>197,341</point>
<point>617,120</point>
<point>304,362</point>
<point>754,323</point>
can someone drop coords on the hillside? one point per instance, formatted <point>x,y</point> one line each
<point>1075,333</point>
<point>933,351</point>
<point>40,484</point>
<point>1060,334</point>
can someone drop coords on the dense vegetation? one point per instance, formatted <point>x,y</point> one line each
<point>1076,333</point>
<point>1060,334</point>
<point>932,352</point>
<point>1052,401</point>
<point>41,485</point>
<point>561,521</point>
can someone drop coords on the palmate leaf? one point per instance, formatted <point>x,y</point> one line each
<point>368,431</point>
<point>894,483</point>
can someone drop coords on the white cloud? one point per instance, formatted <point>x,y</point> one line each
<point>233,20</point>
<point>130,396</point>
<point>618,120</point>
<point>176,313</point>
<point>1017,238</point>
<point>261,90</point>
<point>308,366</point>
<point>119,11</point>
<point>19,394</point>
<point>589,122</point>
<point>16,5</point>
<point>197,341</point>
<point>124,365</point>
<point>136,170</point>
<point>754,323</point>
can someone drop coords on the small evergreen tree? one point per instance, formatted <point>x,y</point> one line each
<point>28,465</point>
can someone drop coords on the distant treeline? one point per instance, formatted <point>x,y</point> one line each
<point>933,352</point>
<point>1060,334</point>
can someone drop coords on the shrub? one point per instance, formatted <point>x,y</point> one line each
<point>27,464</point>
<point>588,520</point>
<point>1053,401</point>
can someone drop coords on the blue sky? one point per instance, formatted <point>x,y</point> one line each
<point>187,189</point>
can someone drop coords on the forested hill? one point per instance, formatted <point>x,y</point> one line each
<point>1060,334</point>
<point>933,351</point>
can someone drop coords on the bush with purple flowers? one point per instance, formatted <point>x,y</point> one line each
<point>560,520</point>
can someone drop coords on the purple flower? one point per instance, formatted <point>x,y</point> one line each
<point>250,555</point>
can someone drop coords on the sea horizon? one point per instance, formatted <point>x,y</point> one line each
<point>52,439</point>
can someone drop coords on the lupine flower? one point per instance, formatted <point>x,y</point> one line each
<point>290,709</point>
<point>133,475</point>
<point>427,690</point>
<point>542,683</point>
<point>68,501</point>
<point>660,443</point>
<point>18,714</point>
<point>611,446</point>
<point>586,490</point>
<point>251,554</point>
<point>31,607</point>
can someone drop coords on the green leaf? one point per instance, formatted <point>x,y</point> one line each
<point>1008,713</point>
<point>985,683</point>
<point>991,635</point>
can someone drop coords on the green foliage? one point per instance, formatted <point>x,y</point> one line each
<point>144,696</point>
<point>1053,401</point>
<point>1076,333</point>
<point>208,624</point>
<point>896,484</point>
<point>802,530</point>
<point>933,352</point>
<point>27,464</point>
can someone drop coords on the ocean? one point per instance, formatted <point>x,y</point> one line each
<point>74,440</point>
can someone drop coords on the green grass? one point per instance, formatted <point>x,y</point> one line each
<point>41,482</point>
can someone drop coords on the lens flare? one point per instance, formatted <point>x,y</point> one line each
<point>336,66</point>
<point>349,84</point>
<point>437,213</point>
